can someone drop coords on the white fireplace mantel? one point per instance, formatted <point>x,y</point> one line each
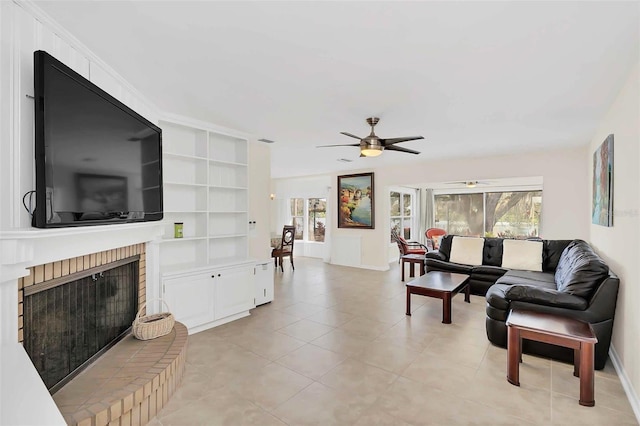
<point>23,248</point>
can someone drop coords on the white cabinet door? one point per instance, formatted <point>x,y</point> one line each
<point>191,298</point>
<point>235,291</point>
<point>264,282</point>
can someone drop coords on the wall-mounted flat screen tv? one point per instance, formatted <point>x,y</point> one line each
<point>97,161</point>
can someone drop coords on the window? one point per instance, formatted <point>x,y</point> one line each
<point>297,216</point>
<point>317,214</point>
<point>460,214</point>
<point>309,216</point>
<point>513,214</point>
<point>402,213</point>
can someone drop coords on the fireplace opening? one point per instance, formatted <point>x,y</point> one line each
<point>70,321</point>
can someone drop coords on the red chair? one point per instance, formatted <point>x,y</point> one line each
<point>408,247</point>
<point>432,235</point>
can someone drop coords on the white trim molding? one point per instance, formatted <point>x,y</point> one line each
<point>632,396</point>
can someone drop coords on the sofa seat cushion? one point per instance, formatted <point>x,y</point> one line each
<point>545,296</point>
<point>467,250</point>
<point>516,277</point>
<point>490,271</point>
<point>580,270</point>
<point>497,298</point>
<point>441,265</point>
<point>520,254</point>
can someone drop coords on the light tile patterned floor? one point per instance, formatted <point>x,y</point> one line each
<point>335,348</point>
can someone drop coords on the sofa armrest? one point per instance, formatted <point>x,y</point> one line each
<point>545,296</point>
<point>435,254</point>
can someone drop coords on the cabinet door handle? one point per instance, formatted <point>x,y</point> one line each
<point>213,276</point>
<point>218,274</point>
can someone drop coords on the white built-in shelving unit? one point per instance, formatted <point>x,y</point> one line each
<point>205,188</point>
<point>207,277</point>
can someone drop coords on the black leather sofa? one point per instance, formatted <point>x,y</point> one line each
<point>574,282</point>
<point>484,276</point>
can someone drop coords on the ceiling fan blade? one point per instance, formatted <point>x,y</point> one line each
<point>400,149</point>
<point>351,135</point>
<point>392,141</point>
<point>342,144</point>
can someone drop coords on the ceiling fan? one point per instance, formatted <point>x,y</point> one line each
<point>372,145</point>
<point>469,183</point>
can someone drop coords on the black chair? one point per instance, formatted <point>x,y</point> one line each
<point>286,247</point>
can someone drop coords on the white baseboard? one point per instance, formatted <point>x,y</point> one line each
<point>374,268</point>
<point>632,396</point>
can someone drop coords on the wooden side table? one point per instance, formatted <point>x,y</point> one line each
<point>413,259</point>
<point>556,330</point>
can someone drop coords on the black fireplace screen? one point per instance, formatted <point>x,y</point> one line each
<point>68,326</point>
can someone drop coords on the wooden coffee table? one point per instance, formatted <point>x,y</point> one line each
<point>556,330</point>
<point>441,285</point>
<point>413,260</point>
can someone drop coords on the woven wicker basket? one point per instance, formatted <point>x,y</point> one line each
<point>152,326</point>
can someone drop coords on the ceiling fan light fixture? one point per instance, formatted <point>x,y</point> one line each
<point>372,145</point>
<point>371,151</point>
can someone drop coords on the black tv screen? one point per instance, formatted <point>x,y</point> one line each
<point>97,161</point>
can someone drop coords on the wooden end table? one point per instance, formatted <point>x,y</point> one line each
<point>556,330</point>
<point>412,260</point>
<point>441,285</point>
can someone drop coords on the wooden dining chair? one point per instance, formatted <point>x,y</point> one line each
<point>286,247</point>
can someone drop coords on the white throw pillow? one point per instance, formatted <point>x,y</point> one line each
<point>520,254</point>
<point>467,250</point>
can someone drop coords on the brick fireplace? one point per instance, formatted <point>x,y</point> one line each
<point>153,368</point>
<point>32,258</point>
<point>73,310</point>
<point>67,267</point>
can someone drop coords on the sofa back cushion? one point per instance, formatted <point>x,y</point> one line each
<point>467,250</point>
<point>492,254</point>
<point>580,270</point>
<point>445,246</point>
<point>522,254</point>
<point>551,253</point>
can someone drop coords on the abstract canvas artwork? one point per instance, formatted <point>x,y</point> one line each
<point>602,211</point>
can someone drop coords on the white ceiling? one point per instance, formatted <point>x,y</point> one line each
<point>474,78</point>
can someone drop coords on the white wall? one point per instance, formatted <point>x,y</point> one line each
<point>300,187</point>
<point>620,245</point>
<point>565,193</point>
<point>259,201</point>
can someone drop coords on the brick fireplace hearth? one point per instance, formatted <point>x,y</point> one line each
<point>133,380</point>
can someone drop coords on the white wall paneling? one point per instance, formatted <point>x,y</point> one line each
<point>346,251</point>
<point>24,28</point>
